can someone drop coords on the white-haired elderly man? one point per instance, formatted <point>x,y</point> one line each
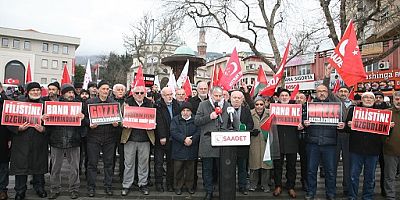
<point>119,92</point>
<point>137,142</point>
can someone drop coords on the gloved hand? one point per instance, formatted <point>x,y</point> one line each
<point>254,132</point>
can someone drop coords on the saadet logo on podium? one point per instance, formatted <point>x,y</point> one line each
<point>234,138</point>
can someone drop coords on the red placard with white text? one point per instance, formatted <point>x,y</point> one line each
<point>286,114</point>
<point>62,113</point>
<point>139,117</point>
<point>104,113</point>
<point>371,120</point>
<point>16,113</point>
<point>324,113</point>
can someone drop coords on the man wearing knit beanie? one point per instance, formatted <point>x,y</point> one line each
<point>53,90</point>
<point>29,151</point>
<point>78,87</point>
<point>65,140</point>
<point>92,88</point>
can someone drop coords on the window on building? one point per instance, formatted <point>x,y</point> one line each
<point>45,63</point>
<point>4,42</point>
<point>53,80</point>
<point>45,47</point>
<point>55,64</point>
<point>55,48</point>
<point>286,72</point>
<point>16,44</point>
<point>252,81</point>
<point>27,45</point>
<point>65,49</point>
<point>372,67</point>
<point>43,81</point>
<point>304,69</point>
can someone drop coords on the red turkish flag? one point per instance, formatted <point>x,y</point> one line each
<point>214,78</point>
<point>351,95</point>
<point>73,67</point>
<point>336,87</point>
<point>267,124</point>
<point>346,58</point>
<point>261,78</point>
<point>28,74</point>
<point>295,92</point>
<point>187,87</point>
<point>138,80</point>
<point>11,81</point>
<point>273,83</point>
<point>233,72</point>
<point>65,76</point>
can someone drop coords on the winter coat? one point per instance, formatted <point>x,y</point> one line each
<point>364,143</point>
<point>258,143</point>
<point>288,139</point>
<point>163,119</point>
<point>195,101</point>
<point>391,145</point>
<point>180,129</point>
<point>64,136</point>
<point>207,125</point>
<point>138,135</point>
<point>102,134</point>
<point>243,151</point>
<point>29,150</point>
<point>5,134</point>
<point>324,135</point>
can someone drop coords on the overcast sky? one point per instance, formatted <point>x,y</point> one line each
<point>100,24</point>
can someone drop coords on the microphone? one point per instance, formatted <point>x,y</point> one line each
<point>218,111</point>
<point>230,111</point>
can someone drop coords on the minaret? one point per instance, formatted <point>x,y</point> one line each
<point>202,45</point>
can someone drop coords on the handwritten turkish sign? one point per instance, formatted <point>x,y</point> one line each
<point>16,113</point>
<point>324,113</point>
<point>286,114</point>
<point>104,113</point>
<point>371,120</point>
<point>62,113</point>
<point>139,117</point>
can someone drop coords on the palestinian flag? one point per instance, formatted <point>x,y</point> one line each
<point>260,83</point>
<point>265,130</point>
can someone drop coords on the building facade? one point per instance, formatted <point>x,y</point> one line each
<point>46,53</point>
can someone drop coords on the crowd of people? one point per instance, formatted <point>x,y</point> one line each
<point>181,137</point>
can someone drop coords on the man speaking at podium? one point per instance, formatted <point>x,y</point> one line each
<point>211,116</point>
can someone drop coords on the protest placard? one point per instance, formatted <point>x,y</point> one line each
<point>16,113</point>
<point>286,114</point>
<point>324,113</point>
<point>104,113</point>
<point>139,117</point>
<point>62,113</point>
<point>371,120</point>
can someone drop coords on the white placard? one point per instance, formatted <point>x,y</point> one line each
<point>234,138</point>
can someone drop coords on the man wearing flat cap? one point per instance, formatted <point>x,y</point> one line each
<point>64,140</point>
<point>29,151</point>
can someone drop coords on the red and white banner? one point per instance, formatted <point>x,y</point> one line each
<point>11,81</point>
<point>104,113</point>
<point>139,117</point>
<point>286,114</point>
<point>233,72</point>
<point>324,113</point>
<point>62,113</point>
<point>371,120</point>
<point>16,113</point>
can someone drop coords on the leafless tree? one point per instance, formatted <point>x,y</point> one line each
<point>364,16</point>
<point>257,17</point>
<point>149,30</point>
